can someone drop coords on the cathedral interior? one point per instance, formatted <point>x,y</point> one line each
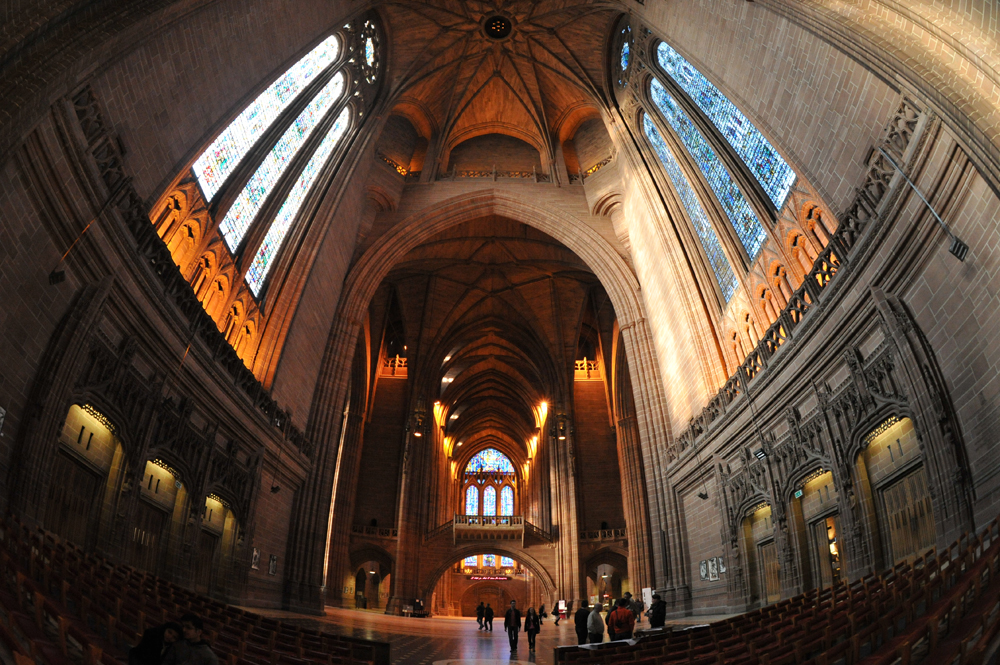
<point>317,307</point>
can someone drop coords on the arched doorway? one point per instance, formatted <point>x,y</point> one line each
<point>488,593</point>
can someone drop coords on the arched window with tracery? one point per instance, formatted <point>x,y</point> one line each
<point>492,475</point>
<point>260,176</point>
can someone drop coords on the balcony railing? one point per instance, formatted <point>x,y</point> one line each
<point>377,531</point>
<point>587,370</point>
<point>496,527</point>
<point>604,535</point>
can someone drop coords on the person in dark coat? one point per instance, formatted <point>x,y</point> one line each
<point>480,613</point>
<point>541,613</point>
<point>512,624</point>
<point>580,621</point>
<point>657,612</point>
<point>488,618</point>
<point>193,649</point>
<point>155,644</point>
<point>532,624</point>
<point>612,606</point>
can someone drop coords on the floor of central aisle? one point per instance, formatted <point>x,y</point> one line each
<point>441,640</point>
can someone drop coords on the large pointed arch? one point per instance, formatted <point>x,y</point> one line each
<point>307,558</point>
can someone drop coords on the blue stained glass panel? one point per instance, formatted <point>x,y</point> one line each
<point>215,164</point>
<point>744,221</point>
<point>489,460</point>
<point>507,500</point>
<point>472,501</point>
<point>369,51</point>
<point>625,55</point>
<point>490,501</point>
<point>470,562</point>
<point>506,562</point>
<point>702,227</point>
<point>489,561</point>
<point>767,165</point>
<point>246,206</point>
<point>286,215</point>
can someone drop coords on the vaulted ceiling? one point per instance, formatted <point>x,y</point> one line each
<point>492,311</point>
<point>455,76</point>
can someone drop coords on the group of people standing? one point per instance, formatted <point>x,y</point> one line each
<point>620,620</point>
<point>590,625</point>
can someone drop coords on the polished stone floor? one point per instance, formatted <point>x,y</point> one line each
<point>442,640</point>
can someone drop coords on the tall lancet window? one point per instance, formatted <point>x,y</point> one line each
<point>281,143</point>
<point>766,164</point>
<point>696,213</point>
<point>471,501</point>
<point>220,159</point>
<point>246,206</point>
<point>748,227</point>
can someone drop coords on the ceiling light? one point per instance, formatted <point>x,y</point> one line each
<point>417,433</point>
<point>760,454</point>
<point>447,358</point>
<point>562,437</point>
<point>454,416</point>
<point>460,443</point>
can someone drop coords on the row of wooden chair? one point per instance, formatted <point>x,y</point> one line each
<point>62,606</point>
<point>944,607</point>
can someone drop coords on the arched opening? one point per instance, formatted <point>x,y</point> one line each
<point>489,577</point>
<point>896,497</point>
<point>84,472</point>
<point>761,555</point>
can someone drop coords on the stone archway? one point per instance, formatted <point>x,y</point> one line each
<point>305,575</point>
<point>536,567</point>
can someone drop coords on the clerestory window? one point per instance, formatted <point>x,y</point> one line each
<point>282,142</point>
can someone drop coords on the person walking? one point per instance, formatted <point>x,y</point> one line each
<point>580,621</point>
<point>480,613</point>
<point>558,613</point>
<point>532,624</point>
<point>657,612</point>
<point>595,625</point>
<point>488,618</point>
<point>512,624</point>
<point>541,612</point>
<point>622,621</point>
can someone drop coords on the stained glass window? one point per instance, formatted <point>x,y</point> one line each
<point>625,55</point>
<point>489,460</point>
<point>471,501</point>
<point>507,500</point>
<point>286,215</point>
<point>248,203</point>
<point>709,240</point>
<point>489,561</point>
<point>470,562</point>
<point>219,159</point>
<point>767,165</point>
<point>506,562</point>
<point>490,501</point>
<point>744,221</point>
<point>370,51</point>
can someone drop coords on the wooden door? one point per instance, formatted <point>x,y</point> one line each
<point>770,572</point>
<point>148,536</point>
<point>69,509</point>
<point>908,516</point>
